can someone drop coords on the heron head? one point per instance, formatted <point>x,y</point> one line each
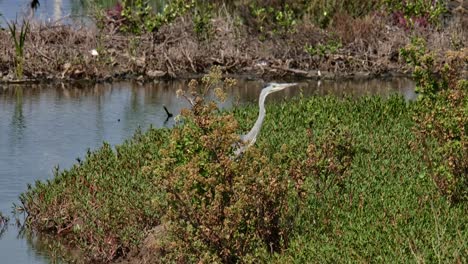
<point>274,87</point>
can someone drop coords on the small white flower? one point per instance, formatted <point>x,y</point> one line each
<point>94,52</point>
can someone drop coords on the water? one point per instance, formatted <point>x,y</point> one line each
<point>49,10</point>
<point>63,11</point>
<point>42,126</point>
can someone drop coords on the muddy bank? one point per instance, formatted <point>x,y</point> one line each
<point>369,47</point>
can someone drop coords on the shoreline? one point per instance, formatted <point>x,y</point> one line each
<point>269,77</point>
<point>63,54</point>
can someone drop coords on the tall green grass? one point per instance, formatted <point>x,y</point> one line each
<point>19,40</point>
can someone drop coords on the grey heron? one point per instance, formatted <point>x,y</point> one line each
<point>249,139</point>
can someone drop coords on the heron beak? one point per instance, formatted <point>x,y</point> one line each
<point>281,86</point>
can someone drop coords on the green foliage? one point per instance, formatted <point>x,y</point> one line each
<point>103,204</point>
<point>321,12</point>
<point>218,208</point>
<point>173,10</point>
<point>428,80</point>
<point>286,19</point>
<point>328,180</point>
<point>283,16</point>
<point>442,118</point>
<point>276,20</point>
<point>418,9</point>
<point>19,41</point>
<point>321,50</point>
<point>329,159</point>
<point>382,196</point>
<point>202,15</point>
<point>414,51</point>
<point>140,18</point>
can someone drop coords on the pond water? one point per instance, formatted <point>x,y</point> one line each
<point>42,126</point>
<point>67,11</point>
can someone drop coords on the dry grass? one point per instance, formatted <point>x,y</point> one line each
<point>369,44</point>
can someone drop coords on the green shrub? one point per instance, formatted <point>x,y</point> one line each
<point>443,131</point>
<point>276,20</point>
<point>139,17</point>
<point>442,116</point>
<point>416,55</point>
<point>416,11</point>
<point>323,49</point>
<point>218,209</point>
<point>202,14</point>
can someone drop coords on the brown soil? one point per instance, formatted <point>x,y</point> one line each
<point>370,47</point>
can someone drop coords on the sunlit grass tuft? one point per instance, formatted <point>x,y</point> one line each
<point>19,42</point>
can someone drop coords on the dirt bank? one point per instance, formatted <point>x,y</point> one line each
<point>368,46</point>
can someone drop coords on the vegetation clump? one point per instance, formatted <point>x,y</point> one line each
<point>416,13</point>
<point>138,16</point>
<point>442,116</point>
<point>323,50</point>
<point>218,209</point>
<point>19,42</point>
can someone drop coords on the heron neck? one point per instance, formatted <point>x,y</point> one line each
<point>261,115</point>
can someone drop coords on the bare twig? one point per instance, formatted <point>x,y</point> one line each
<point>296,71</point>
<point>189,59</point>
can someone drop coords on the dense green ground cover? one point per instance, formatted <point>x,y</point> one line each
<point>102,201</point>
<point>387,209</point>
<point>360,191</point>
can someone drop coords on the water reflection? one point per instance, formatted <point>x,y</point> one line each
<point>17,122</point>
<point>57,9</point>
<point>42,126</point>
<point>68,11</point>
